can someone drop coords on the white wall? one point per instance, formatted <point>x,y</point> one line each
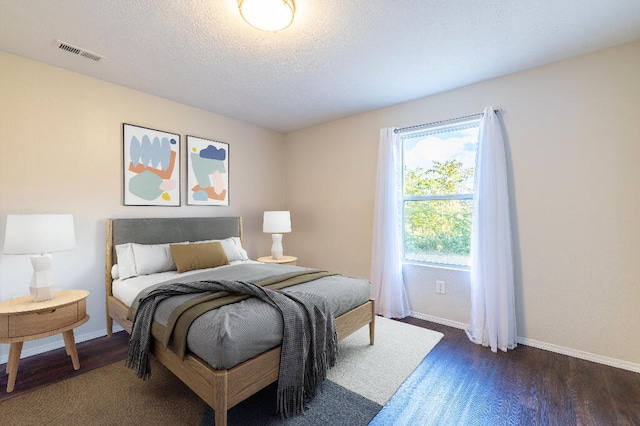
<point>573,136</point>
<point>61,152</point>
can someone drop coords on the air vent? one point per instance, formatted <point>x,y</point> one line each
<point>78,51</point>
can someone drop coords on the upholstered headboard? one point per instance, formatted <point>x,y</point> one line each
<point>174,230</point>
<point>166,230</point>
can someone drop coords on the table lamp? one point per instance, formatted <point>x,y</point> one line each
<point>276,223</point>
<point>39,235</point>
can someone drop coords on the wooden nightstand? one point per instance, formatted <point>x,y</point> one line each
<point>285,260</point>
<point>22,319</point>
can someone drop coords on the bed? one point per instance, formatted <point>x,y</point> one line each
<point>220,383</point>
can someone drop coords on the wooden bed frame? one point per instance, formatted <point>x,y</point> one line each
<point>221,389</point>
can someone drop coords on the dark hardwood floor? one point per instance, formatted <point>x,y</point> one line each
<point>50,367</point>
<point>467,384</point>
<point>524,386</point>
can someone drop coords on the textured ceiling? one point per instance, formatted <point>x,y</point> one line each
<point>338,58</point>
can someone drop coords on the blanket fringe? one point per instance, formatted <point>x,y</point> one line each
<point>139,361</point>
<point>290,401</point>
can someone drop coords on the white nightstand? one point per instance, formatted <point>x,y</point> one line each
<point>285,260</point>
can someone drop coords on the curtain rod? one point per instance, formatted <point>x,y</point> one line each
<point>435,123</point>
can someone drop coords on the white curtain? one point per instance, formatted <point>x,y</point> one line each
<point>493,317</point>
<point>386,263</point>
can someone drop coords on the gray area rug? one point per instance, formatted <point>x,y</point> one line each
<point>333,405</point>
<point>364,379</point>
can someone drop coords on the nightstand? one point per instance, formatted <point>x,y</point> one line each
<point>285,260</point>
<point>22,319</point>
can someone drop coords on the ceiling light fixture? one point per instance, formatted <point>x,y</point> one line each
<point>268,15</point>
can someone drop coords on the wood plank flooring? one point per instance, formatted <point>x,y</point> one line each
<point>467,384</point>
<point>524,386</point>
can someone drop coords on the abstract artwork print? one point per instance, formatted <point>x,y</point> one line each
<point>151,166</point>
<point>207,172</point>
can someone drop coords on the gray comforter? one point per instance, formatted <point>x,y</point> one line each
<point>231,334</point>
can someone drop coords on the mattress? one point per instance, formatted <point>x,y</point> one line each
<point>231,334</point>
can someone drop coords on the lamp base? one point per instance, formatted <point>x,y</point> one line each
<point>42,285</point>
<point>276,247</point>
<point>40,294</point>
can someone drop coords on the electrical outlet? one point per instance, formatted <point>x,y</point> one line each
<point>440,287</point>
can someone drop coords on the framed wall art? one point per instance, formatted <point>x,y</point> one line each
<point>151,167</point>
<point>207,172</point>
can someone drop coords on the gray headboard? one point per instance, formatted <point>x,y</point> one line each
<point>168,230</point>
<point>174,230</point>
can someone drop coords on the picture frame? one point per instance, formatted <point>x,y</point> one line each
<point>207,172</point>
<point>151,167</point>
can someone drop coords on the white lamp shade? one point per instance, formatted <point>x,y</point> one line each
<point>39,233</point>
<point>277,222</point>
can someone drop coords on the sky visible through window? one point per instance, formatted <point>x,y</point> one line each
<point>459,145</point>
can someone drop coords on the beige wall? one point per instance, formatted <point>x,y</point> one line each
<point>61,152</point>
<point>573,134</point>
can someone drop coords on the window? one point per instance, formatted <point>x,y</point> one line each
<point>438,179</point>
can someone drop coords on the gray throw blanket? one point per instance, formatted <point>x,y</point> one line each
<point>309,343</point>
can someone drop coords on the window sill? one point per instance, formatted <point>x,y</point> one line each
<point>437,266</point>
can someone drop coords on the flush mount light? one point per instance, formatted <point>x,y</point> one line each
<point>268,15</point>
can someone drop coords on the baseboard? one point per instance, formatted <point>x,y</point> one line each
<point>439,320</point>
<point>612,362</point>
<point>600,359</point>
<point>27,352</point>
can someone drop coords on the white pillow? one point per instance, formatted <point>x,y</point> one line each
<point>232,247</point>
<point>143,259</point>
<point>126,261</point>
<point>153,258</point>
<point>114,272</point>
